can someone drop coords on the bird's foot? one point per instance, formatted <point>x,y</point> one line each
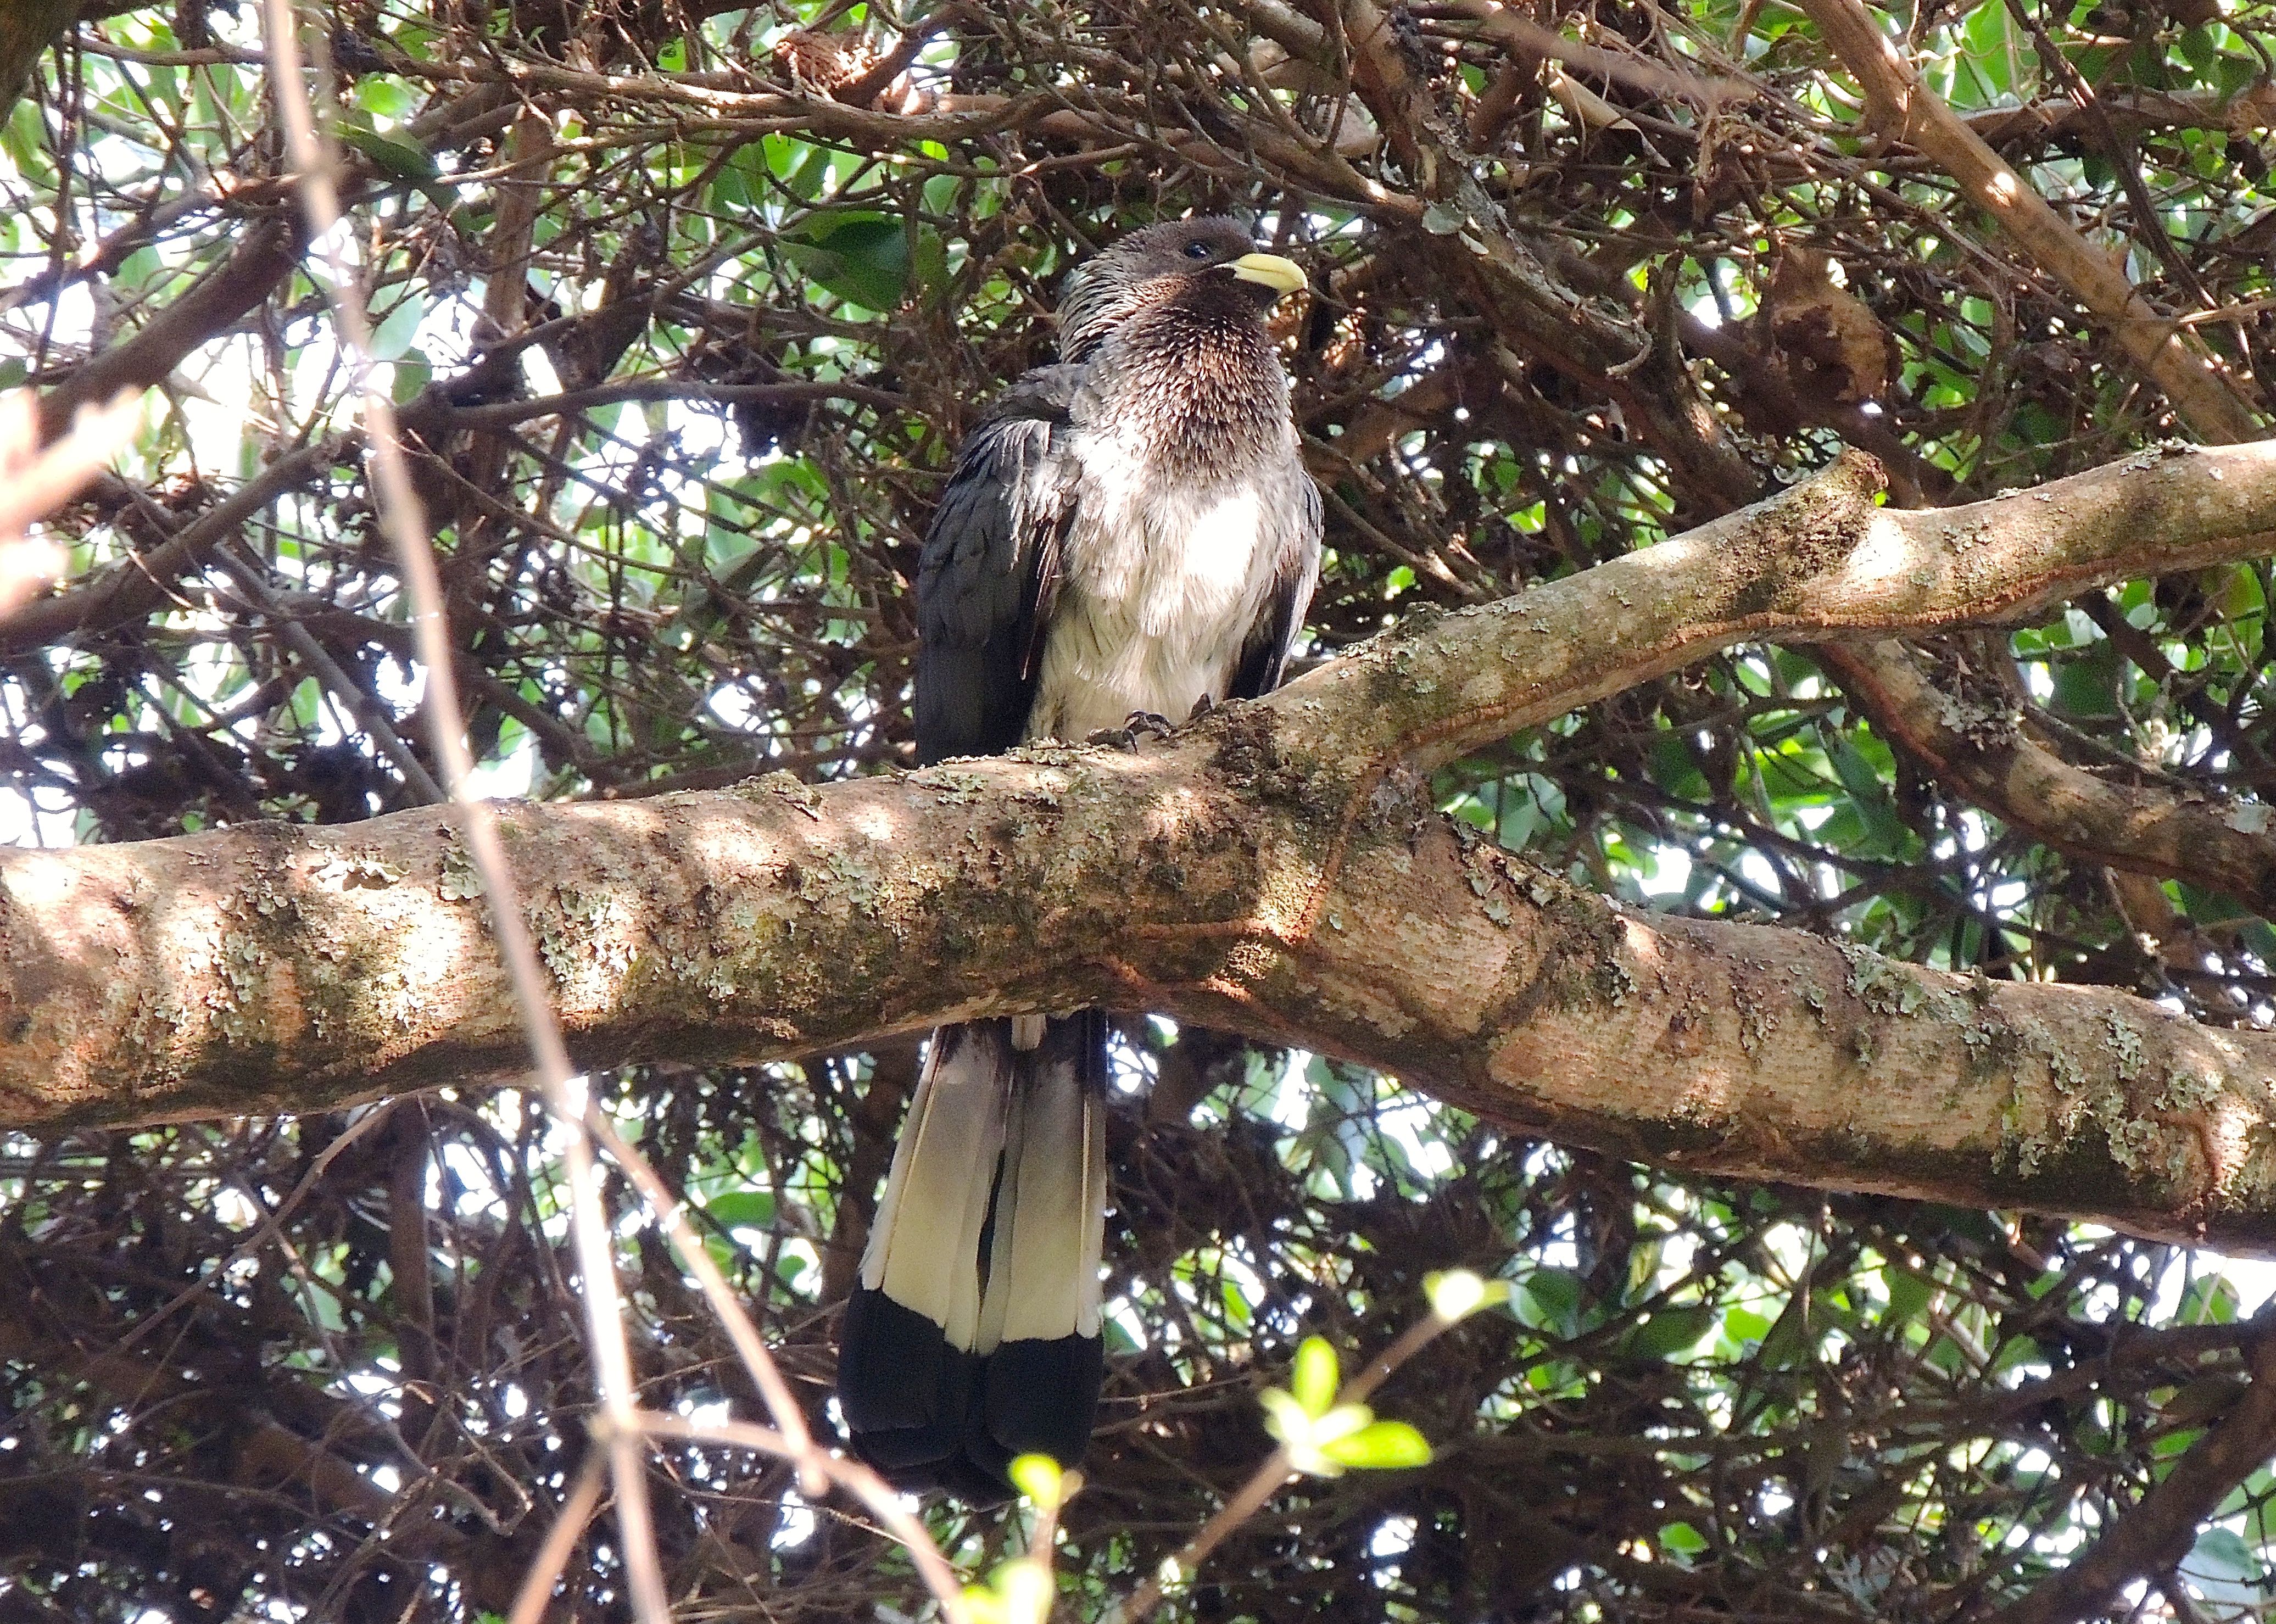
<point>1137,724</point>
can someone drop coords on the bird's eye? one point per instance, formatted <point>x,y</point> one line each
<point>1197,250</point>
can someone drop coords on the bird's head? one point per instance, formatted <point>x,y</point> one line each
<point>1159,263</point>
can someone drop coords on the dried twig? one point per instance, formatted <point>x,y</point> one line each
<point>401,518</point>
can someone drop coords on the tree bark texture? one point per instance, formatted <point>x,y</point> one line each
<point>28,29</point>
<point>1275,869</point>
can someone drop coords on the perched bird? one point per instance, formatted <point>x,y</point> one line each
<point>1128,531</point>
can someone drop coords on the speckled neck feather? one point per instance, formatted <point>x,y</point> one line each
<point>1192,370</point>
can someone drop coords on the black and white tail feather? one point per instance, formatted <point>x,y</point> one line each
<point>950,1371</point>
<point>1130,530</point>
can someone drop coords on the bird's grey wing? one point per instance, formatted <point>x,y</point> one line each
<point>990,571</point>
<point>1264,651</point>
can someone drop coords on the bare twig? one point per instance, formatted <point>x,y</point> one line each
<point>1268,1479</point>
<point>814,1463</point>
<point>870,1489</point>
<point>400,519</point>
<point>577,1509</point>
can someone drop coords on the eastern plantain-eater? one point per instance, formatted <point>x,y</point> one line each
<point>1129,530</point>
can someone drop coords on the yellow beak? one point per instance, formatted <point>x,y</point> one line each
<point>1281,275</point>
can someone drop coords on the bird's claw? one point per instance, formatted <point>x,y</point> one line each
<point>1138,723</point>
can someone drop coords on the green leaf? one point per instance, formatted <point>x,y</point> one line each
<point>1285,1418</point>
<point>413,372</point>
<point>1383,1446</point>
<point>1867,793</point>
<point>1550,1300</point>
<point>1671,1330</point>
<point>2227,1572</point>
<point>1458,1294</point>
<point>1908,1294</point>
<point>2211,1300</point>
<point>405,160</point>
<point>1675,766</point>
<point>1019,1592</point>
<point>1315,1377</point>
<point>1682,1537</point>
<point>2086,684</point>
<point>742,1209</point>
<point>1039,1478</point>
<point>929,270</point>
<point>1308,1437</point>
<point>2195,47</point>
<point>1790,1340</point>
<point>394,336</point>
<point>803,168</point>
<point>857,255</point>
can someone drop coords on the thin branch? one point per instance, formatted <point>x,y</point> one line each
<point>1976,745</point>
<point>883,1501</point>
<point>400,518</point>
<point>261,260</point>
<point>376,724</point>
<point>577,1509</point>
<point>1275,1471</point>
<point>2157,1533</point>
<point>131,590</point>
<point>1905,110</point>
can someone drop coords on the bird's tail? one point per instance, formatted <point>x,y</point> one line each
<point>973,1336</point>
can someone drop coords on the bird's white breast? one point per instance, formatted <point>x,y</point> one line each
<point>1165,573</point>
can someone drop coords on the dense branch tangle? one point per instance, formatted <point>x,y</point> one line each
<point>695,306</point>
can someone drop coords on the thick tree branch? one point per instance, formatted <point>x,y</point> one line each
<point>1273,869</point>
<point>27,29</point>
<point>1818,559</point>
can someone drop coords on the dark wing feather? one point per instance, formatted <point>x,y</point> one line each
<point>990,571</point>
<point>1265,652</point>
